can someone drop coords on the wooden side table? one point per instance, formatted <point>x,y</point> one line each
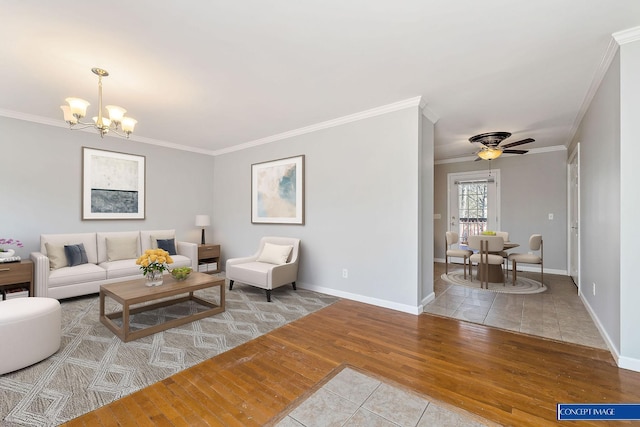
<point>207,255</point>
<point>17,274</point>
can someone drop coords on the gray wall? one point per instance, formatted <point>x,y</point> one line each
<point>531,187</point>
<point>599,137</point>
<point>362,207</point>
<point>41,184</point>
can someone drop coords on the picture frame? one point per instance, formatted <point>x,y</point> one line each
<point>113,185</point>
<point>277,191</point>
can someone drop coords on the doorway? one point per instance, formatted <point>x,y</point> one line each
<point>474,202</point>
<point>573,170</point>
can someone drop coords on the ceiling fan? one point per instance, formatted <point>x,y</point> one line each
<point>492,148</point>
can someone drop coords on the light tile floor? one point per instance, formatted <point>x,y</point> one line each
<point>557,313</point>
<point>352,398</point>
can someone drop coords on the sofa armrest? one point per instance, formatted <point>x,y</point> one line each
<point>285,273</point>
<point>40,274</point>
<point>190,250</point>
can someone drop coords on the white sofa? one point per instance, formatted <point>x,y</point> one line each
<point>107,261</point>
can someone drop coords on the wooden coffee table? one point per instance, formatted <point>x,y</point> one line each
<point>134,292</point>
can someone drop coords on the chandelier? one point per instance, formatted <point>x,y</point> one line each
<point>489,153</point>
<point>116,122</point>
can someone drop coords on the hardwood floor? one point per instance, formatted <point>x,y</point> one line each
<point>506,377</point>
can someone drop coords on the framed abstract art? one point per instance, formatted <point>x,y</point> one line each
<point>277,191</point>
<point>113,185</point>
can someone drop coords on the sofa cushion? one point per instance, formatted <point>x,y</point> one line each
<point>121,268</point>
<point>179,261</point>
<point>57,256</point>
<point>76,254</point>
<point>250,272</point>
<point>168,245</point>
<point>121,248</point>
<point>79,274</point>
<point>101,243</point>
<point>275,254</point>
<point>87,239</point>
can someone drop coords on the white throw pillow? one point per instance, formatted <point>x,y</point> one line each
<point>275,254</point>
<point>121,248</point>
<point>56,255</point>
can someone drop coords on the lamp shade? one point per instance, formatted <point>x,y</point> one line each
<point>489,153</point>
<point>202,221</point>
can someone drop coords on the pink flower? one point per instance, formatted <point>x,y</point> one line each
<point>18,243</point>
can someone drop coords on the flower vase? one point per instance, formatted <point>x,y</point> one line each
<point>154,278</point>
<point>7,254</point>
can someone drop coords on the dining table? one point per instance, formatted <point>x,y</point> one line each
<point>496,275</point>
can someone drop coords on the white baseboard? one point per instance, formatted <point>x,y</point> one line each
<point>622,361</point>
<point>362,298</point>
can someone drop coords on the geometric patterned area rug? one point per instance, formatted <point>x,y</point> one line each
<point>351,397</point>
<point>93,367</point>
<point>523,285</point>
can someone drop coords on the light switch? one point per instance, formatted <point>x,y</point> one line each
<point>550,216</point>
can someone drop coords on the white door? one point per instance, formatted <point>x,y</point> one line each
<point>574,216</point>
<point>474,202</point>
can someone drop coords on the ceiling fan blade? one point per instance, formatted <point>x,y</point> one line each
<point>477,159</point>
<point>515,151</point>
<point>515,144</point>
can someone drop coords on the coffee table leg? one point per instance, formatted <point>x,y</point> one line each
<point>125,321</point>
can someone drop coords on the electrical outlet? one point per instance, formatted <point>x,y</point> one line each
<point>550,217</point>
<point>594,289</point>
<point>345,273</point>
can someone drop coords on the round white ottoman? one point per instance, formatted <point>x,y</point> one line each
<point>30,330</point>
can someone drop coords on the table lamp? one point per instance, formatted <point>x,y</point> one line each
<point>202,221</point>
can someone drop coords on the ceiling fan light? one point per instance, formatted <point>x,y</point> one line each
<point>115,113</point>
<point>78,107</point>
<point>489,153</point>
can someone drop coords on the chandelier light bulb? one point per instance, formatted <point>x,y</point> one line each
<point>115,113</point>
<point>78,107</point>
<point>68,116</point>
<point>128,124</point>
<point>489,153</point>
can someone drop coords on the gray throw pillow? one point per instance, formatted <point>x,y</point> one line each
<point>76,254</point>
<point>168,245</point>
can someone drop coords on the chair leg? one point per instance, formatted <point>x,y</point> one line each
<point>446,264</point>
<point>268,295</point>
<point>230,284</point>
<point>294,285</point>
<point>464,267</point>
<point>513,278</point>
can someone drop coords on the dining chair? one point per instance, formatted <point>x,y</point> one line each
<point>535,244</point>
<point>488,248</point>
<point>505,255</point>
<point>451,238</point>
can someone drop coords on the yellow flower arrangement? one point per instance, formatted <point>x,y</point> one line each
<point>154,260</point>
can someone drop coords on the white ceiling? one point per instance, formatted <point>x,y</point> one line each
<point>217,74</point>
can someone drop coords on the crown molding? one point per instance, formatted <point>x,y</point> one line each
<point>598,75</point>
<point>61,124</point>
<point>400,105</point>
<point>627,36</point>
<point>430,115</point>
<point>532,151</point>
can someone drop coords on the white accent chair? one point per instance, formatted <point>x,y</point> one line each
<point>451,238</point>
<point>489,248</point>
<point>535,244</point>
<point>267,275</point>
